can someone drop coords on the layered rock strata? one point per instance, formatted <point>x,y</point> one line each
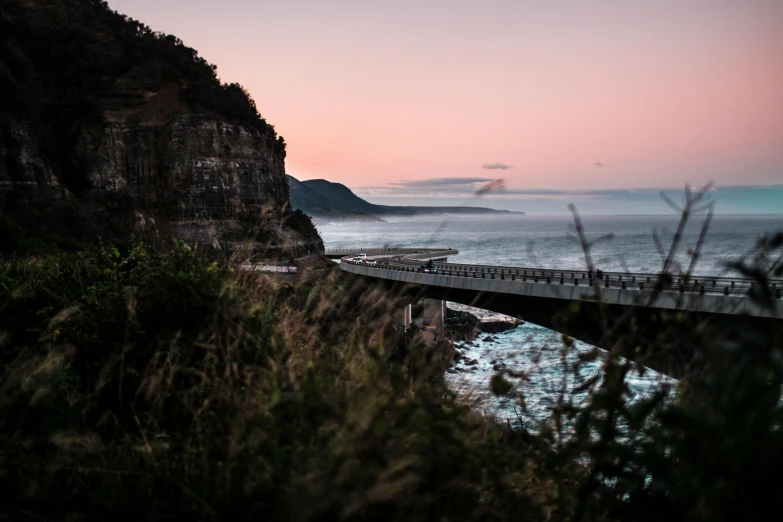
<point>158,143</point>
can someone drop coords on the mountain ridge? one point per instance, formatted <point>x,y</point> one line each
<point>323,199</point>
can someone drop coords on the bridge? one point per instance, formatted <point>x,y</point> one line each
<point>546,296</point>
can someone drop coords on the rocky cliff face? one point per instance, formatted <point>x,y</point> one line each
<point>158,142</point>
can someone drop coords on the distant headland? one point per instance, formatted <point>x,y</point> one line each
<point>323,199</point>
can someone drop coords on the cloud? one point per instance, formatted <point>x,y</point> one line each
<point>496,166</point>
<point>463,188</point>
<point>746,199</point>
<point>432,187</point>
<point>599,164</point>
<point>441,182</point>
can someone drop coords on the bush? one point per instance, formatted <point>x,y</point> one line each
<point>706,448</point>
<point>300,222</point>
<point>163,385</point>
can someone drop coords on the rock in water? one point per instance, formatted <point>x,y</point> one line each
<point>498,326</point>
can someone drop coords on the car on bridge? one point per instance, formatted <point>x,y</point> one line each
<point>428,267</point>
<point>362,258</point>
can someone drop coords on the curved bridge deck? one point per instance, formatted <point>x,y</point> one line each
<point>547,297</point>
<point>724,295</point>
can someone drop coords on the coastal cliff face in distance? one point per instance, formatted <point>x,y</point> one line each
<point>108,129</point>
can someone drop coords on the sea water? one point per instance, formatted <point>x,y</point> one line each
<point>617,243</point>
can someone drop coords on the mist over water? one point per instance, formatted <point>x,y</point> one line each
<point>550,243</point>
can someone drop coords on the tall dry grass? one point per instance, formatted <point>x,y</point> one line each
<point>158,384</point>
<point>161,385</point>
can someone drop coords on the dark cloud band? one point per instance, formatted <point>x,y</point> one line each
<point>441,182</point>
<point>467,186</point>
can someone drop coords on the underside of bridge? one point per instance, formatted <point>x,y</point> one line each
<point>663,340</point>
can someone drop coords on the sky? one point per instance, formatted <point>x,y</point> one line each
<point>410,102</point>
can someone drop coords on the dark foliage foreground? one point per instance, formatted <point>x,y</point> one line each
<point>164,386</point>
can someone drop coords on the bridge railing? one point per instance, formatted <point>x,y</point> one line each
<point>630,281</point>
<point>619,276</point>
<point>508,269</point>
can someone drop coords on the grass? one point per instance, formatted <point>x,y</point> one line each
<point>161,385</point>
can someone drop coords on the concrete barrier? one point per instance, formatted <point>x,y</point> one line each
<point>628,296</point>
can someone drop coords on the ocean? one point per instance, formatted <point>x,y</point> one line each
<point>618,243</point>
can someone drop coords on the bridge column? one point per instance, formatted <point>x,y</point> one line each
<point>432,318</point>
<point>427,315</point>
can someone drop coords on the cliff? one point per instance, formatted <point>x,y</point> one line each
<point>110,129</point>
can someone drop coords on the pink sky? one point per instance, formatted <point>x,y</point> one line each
<point>375,92</point>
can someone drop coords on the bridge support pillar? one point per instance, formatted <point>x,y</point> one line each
<point>427,315</point>
<point>431,318</point>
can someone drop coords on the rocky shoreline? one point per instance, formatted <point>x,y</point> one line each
<point>465,327</point>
